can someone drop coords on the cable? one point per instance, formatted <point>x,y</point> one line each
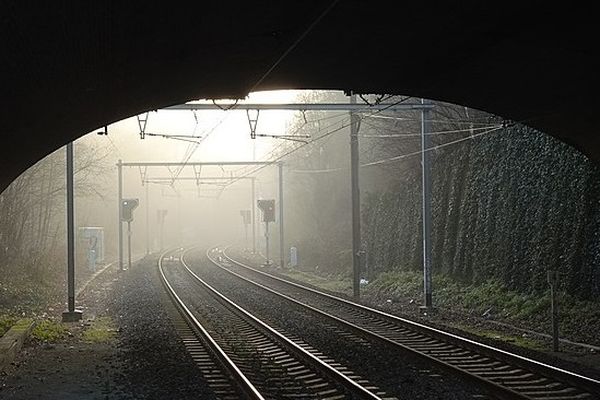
<point>183,138</point>
<point>277,159</point>
<point>115,146</point>
<point>396,158</point>
<point>428,133</point>
<point>293,45</point>
<point>327,134</point>
<point>194,146</point>
<point>319,138</point>
<point>280,145</point>
<point>402,156</point>
<point>456,121</point>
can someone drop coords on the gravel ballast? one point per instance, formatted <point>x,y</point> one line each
<point>145,359</point>
<point>397,374</point>
<point>156,364</point>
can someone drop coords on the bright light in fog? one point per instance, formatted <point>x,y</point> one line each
<point>227,133</point>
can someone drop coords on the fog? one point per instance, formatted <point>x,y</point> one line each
<point>479,163</point>
<point>197,210</point>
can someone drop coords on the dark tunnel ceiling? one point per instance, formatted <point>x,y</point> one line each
<point>70,67</point>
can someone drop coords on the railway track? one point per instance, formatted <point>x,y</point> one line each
<point>502,374</point>
<point>249,358</point>
<point>222,375</point>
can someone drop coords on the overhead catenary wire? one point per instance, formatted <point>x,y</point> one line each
<point>436,133</point>
<point>183,138</point>
<point>344,125</point>
<point>277,159</point>
<point>291,137</point>
<point>194,146</point>
<point>274,150</point>
<point>401,156</point>
<point>327,134</point>
<point>115,147</point>
<point>439,146</point>
<point>294,44</point>
<point>443,121</point>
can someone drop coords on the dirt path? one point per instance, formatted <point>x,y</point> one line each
<point>142,357</point>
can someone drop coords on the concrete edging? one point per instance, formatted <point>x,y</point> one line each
<point>13,340</point>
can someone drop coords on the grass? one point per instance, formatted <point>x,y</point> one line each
<point>396,285</point>
<point>579,320</point>
<point>49,331</point>
<point>6,322</point>
<point>333,283</point>
<point>517,340</point>
<point>101,330</point>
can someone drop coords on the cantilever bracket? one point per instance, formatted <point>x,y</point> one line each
<point>252,122</point>
<point>142,121</point>
<point>197,174</point>
<point>144,174</point>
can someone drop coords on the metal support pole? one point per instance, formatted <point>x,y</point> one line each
<point>70,230</point>
<point>147,221</point>
<point>281,237</point>
<point>426,203</point>
<point>128,244</point>
<point>267,242</point>
<point>354,165</point>
<point>179,220</point>
<point>162,228</point>
<point>119,222</point>
<point>553,281</point>
<point>253,208</point>
<point>70,315</point>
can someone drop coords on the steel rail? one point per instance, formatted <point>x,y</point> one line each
<point>244,383</point>
<point>502,392</point>
<point>350,385</point>
<point>576,380</point>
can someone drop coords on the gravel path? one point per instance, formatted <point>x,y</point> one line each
<point>156,364</point>
<point>146,360</point>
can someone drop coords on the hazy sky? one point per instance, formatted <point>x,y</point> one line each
<point>193,210</point>
<point>229,139</point>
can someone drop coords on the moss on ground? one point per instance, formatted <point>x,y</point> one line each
<point>339,284</point>
<point>521,341</point>
<point>101,330</point>
<point>579,320</point>
<point>6,322</point>
<point>49,331</point>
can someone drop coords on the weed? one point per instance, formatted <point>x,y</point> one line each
<point>517,340</point>
<point>101,330</point>
<point>49,331</point>
<point>6,322</point>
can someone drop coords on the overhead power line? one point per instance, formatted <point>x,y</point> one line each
<point>400,135</point>
<point>402,156</point>
<point>327,134</point>
<point>294,44</point>
<point>450,120</point>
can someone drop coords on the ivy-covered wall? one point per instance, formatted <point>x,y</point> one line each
<point>507,206</point>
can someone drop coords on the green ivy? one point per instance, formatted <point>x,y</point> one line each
<point>507,207</point>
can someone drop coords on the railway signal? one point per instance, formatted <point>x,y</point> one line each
<point>127,207</point>
<point>268,213</point>
<point>268,209</point>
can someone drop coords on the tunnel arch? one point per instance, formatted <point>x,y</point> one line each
<point>70,68</point>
